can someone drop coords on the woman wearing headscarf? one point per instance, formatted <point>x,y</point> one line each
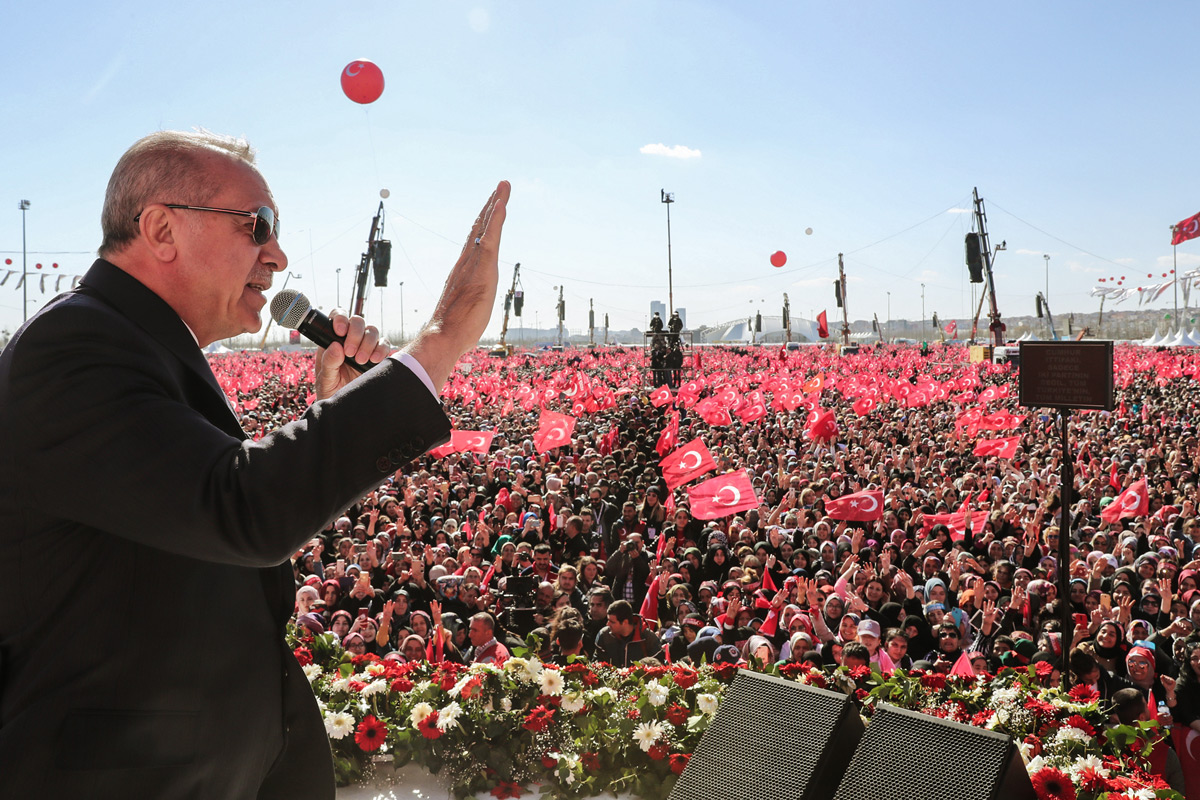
<point>717,562</point>
<point>1108,647</point>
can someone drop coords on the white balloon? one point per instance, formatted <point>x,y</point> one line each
<point>385,194</point>
<point>808,231</point>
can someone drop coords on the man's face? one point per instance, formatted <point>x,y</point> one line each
<point>621,629</point>
<point>221,273</point>
<point>597,608</point>
<point>541,561</point>
<point>479,633</point>
<point>566,581</point>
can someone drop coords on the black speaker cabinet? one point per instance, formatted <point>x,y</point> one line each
<point>772,739</point>
<point>905,755</point>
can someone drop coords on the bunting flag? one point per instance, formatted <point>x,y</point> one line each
<point>686,464</point>
<point>722,496</point>
<point>1185,229</point>
<point>1133,502</point>
<point>554,430</point>
<point>1003,448</point>
<point>822,326</point>
<point>857,507</point>
<point>962,666</point>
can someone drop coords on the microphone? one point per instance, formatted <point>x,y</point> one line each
<point>291,309</point>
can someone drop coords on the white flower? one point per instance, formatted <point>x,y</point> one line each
<point>603,693</point>
<point>374,687</point>
<point>1088,762</point>
<point>340,685</point>
<point>533,671</point>
<point>552,682</point>
<point>338,724</point>
<point>1141,794</point>
<point>448,716</point>
<point>364,707</point>
<point>1069,734</point>
<point>312,672</point>
<point>374,669</point>
<point>646,734</point>
<point>516,665</point>
<point>707,703</point>
<point>656,693</point>
<point>506,703</point>
<point>419,712</point>
<point>458,687</point>
<point>572,702</point>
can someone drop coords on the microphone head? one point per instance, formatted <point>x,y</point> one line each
<point>289,308</point>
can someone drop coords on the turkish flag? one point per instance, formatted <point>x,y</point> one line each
<point>817,382</point>
<point>1000,421</point>
<point>660,397</point>
<point>1004,448</point>
<point>857,507</point>
<point>471,441</point>
<point>822,326</point>
<point>1132,502</point>
<point>722,496</point>
<point>957,523</point>
<point>554,430</point>
<point>444,450</point>
<point>669,436</point>
<point>864,405</point>
<point>1113,480</point>
<point>1186,229</point>
<point>952,329</point>
<point>752,412</point>
<point>686,464</point>
<point>821,425</point>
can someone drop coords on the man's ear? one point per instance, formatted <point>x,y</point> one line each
<point>158,233</point>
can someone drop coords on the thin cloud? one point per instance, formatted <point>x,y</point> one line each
<point>958,211</point>
<point>1023,252</point>
<point>660,149</point>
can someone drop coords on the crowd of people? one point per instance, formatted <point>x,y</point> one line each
<point>462,556</point>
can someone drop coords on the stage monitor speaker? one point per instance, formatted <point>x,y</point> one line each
<point>974,257</point>
<point>772,739</point>
<point>905,755</point>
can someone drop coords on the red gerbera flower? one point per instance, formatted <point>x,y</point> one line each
<point>371,733</point>
<point>658,751</point>
<point>791,670</point>
<point>428,727</point>
<point>1076,721</point>
<point>1053,784</point>
<point>537,719</point>
<point>1043,669</point>
<point>633,713</point>
<point>548,762</point>
<point>402,685</point>
<point>1082,693</point>
<point>507,789</point>
<point>677,714</point>
<point>933,680</point>
<point>860,673</point>
<point>679,762</point>
<point>303,656</point>
<point>590,761</point>
<point>686,678</point>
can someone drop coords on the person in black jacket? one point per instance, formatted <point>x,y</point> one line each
<point>625,639</point>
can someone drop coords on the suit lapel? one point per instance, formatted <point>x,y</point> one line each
<point>159,320</point>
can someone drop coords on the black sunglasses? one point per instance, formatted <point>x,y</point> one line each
<point>266,224</point>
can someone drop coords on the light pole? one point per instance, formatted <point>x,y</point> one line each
<point>24,206</point>
<point>889,322</point>
<point>339,286</point>
<point>922,312</point>
<point>1047,294</point>
<point>667,199</point>
<point>401,312</point>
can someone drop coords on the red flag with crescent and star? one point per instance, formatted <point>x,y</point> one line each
<point>686,464</point>
<point>471,441</point>
<point>669,436</point>
<point>857,507</point>
<point>822,326</point>
<point>822,425</point>
<point>1004,448</point>
<point>554,430</point>
<point>661,397</point>
<point>1132,502</point>
<point>1186,229</point>
<point>722,496</point>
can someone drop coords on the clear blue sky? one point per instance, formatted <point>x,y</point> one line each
<point>868,122</point>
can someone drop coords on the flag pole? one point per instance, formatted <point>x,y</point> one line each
<point>1175,272</point>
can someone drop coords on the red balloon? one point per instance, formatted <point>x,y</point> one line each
<point>1120,282</point>
<point>1164,274</point>
<point>55,265</point>
<point>362,81</point>
<point>778,258</point>
<point>39,266</point>
<point>1149,274</point>
<point>8,261</point>
<point>1122,277</point>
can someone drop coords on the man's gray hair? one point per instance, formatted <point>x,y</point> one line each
<point>162,168</point>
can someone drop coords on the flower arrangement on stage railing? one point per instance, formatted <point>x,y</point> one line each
<point>583,729</point>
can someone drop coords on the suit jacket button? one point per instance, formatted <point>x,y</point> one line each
<point>383,465</point>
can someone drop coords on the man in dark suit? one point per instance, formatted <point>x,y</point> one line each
<point>141,647</point>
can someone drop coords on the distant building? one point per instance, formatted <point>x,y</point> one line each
<point>682,312</point>
<point>659,307</point>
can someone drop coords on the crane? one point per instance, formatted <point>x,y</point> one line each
<point>513,301</point>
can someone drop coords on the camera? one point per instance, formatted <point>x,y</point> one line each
<point>518,602</point>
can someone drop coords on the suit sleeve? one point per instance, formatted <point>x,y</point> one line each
<point>100,406</point>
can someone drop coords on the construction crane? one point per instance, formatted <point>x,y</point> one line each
<point>984,253</point>
<point>513,301</point>
<point>1043,304</point>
